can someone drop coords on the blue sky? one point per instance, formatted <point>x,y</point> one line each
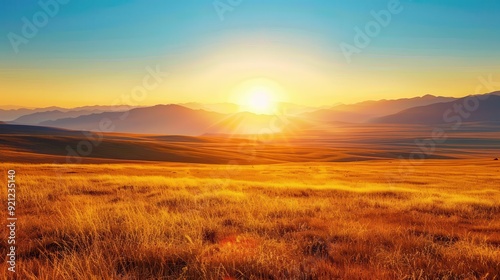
<point>116,38</point>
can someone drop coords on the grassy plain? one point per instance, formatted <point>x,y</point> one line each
<point>359,220</point>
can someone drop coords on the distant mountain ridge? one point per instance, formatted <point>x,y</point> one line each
<point>39,117</point>
<point>364,111</point>
<point>159,119</point>
<point>226,118</point>
<point>460,110</point>
<point>13,114</point>
<point>170,120</point>
<point>222,108</point>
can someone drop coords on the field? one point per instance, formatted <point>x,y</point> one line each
<point>439,219</point>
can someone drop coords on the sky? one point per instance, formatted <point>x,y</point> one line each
<point>313,52</point>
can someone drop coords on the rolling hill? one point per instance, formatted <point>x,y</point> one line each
<point>20,143</point>
<point>359,142</point>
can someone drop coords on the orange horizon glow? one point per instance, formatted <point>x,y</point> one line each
<point>300,74</point>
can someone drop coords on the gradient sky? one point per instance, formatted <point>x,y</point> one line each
<point>93,52</point>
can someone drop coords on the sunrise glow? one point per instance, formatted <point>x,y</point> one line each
<point>259,101</point>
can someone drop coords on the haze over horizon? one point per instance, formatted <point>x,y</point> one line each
<point>20,106</point>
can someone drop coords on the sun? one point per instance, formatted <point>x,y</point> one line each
<point>260,96</point>
<point>259,101</point>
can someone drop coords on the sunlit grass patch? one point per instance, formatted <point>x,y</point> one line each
<point>183,222</point>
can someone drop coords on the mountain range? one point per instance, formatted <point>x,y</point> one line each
<point>169,120</point>
<point>224,118</point>
<point>8,114</point>
<point>364,111</point>
<point>475,109</point>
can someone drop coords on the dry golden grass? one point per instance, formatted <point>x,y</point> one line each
<point>291,221</point>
